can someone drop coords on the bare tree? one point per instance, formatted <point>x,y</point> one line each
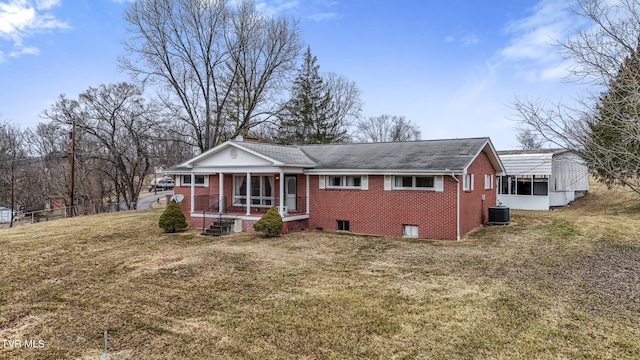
<point>528,139</point>
<point>603,125</point>
<point>263,60</point>
<point>12,159</point>
<point>116,124</point>
<point>346,106</point>
<point>218,64</point>
<point>386,128</point>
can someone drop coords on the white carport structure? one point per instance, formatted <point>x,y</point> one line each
<point>541,179</point>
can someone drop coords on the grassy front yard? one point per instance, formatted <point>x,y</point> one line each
<point>563,284</point>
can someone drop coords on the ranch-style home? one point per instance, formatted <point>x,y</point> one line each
<point>433,189</point>
<point>541,179</point>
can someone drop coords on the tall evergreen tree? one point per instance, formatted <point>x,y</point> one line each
<point>613,144</point>
<point>308,116</point>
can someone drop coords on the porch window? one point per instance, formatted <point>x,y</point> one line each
<point>541,185</point>
<point>536,185</point>
<point>523,184</point>
<point>507,185</point>
<point>261,190</point>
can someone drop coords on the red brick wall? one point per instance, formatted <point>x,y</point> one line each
<point>185,204</point>
<point>472,211</point>
<point>383,212</point>
<point>379,212</point>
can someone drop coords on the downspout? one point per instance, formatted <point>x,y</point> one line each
<point>457,205</point>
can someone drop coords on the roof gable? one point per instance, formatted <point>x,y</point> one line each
<point>232,156</point>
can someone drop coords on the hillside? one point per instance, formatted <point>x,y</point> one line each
<point>558,284</point>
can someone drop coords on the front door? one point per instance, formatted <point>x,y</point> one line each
<point>290,187</point>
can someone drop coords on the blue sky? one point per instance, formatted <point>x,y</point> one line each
<point>453,67</point>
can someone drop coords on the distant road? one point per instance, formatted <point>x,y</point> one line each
<point>144,202</point>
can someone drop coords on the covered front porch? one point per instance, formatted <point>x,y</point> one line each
<point>244,202</point>
<point>241,180</point>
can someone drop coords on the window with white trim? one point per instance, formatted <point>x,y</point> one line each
<point>199,180</point>
<point>410,231</point>
<point>467,182</point>
<point>488,181</point>
<point>414,182</point>
<point>261,190</point>
<point>344,181</point>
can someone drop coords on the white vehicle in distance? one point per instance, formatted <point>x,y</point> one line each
<point>165,183</point>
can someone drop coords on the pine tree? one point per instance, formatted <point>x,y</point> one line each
<point>613,146</point>
<point>172,219</point>
<point>308,116</point>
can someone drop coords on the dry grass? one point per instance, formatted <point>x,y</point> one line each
<point>562,284</point>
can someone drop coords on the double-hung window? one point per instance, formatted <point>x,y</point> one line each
<point>199,180</point>
<point>414,182</point>
<point>488,181</point>
<point>467,182</point>
<point>344,181</point>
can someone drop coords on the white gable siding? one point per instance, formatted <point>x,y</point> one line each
<point>232,156</point>
<point>568,179</point>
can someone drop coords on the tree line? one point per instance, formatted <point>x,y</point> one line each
<point>202,72</point>
<point>602,124</point>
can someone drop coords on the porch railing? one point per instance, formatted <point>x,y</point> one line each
<point>217,206</point>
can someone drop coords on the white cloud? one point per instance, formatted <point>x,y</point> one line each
<point>274,7</point>
<point>323,16</point>
<point>22,19</point>
<point>470,40</point>
<point>532,45</point>
<point>46,4</point>
<point>25,51</point>
<point>465,41</point>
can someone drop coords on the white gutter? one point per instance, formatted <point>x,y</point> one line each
<point>457,205</point>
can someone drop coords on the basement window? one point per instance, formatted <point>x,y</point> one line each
<point>410,231</point>
<point>342,225</point>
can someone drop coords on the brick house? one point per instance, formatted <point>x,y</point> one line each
<point>433,189</point>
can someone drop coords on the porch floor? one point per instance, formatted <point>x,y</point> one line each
<point>258,212</point>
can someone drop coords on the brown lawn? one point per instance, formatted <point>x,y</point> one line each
<point>563,284</point>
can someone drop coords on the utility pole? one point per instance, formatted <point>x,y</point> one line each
<point>73,168</point>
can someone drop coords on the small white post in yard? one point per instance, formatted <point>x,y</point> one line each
<point>105,356</point>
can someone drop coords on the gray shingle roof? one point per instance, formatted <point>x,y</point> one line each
<point>453,154</point>
<point>289,155</point>
<point>423,155</point>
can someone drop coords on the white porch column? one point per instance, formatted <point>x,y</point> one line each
<point>307,193</point>
<point>248,193</point>
<point>220,192</point>
<point>281,206</point>
<point>193,195</point>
